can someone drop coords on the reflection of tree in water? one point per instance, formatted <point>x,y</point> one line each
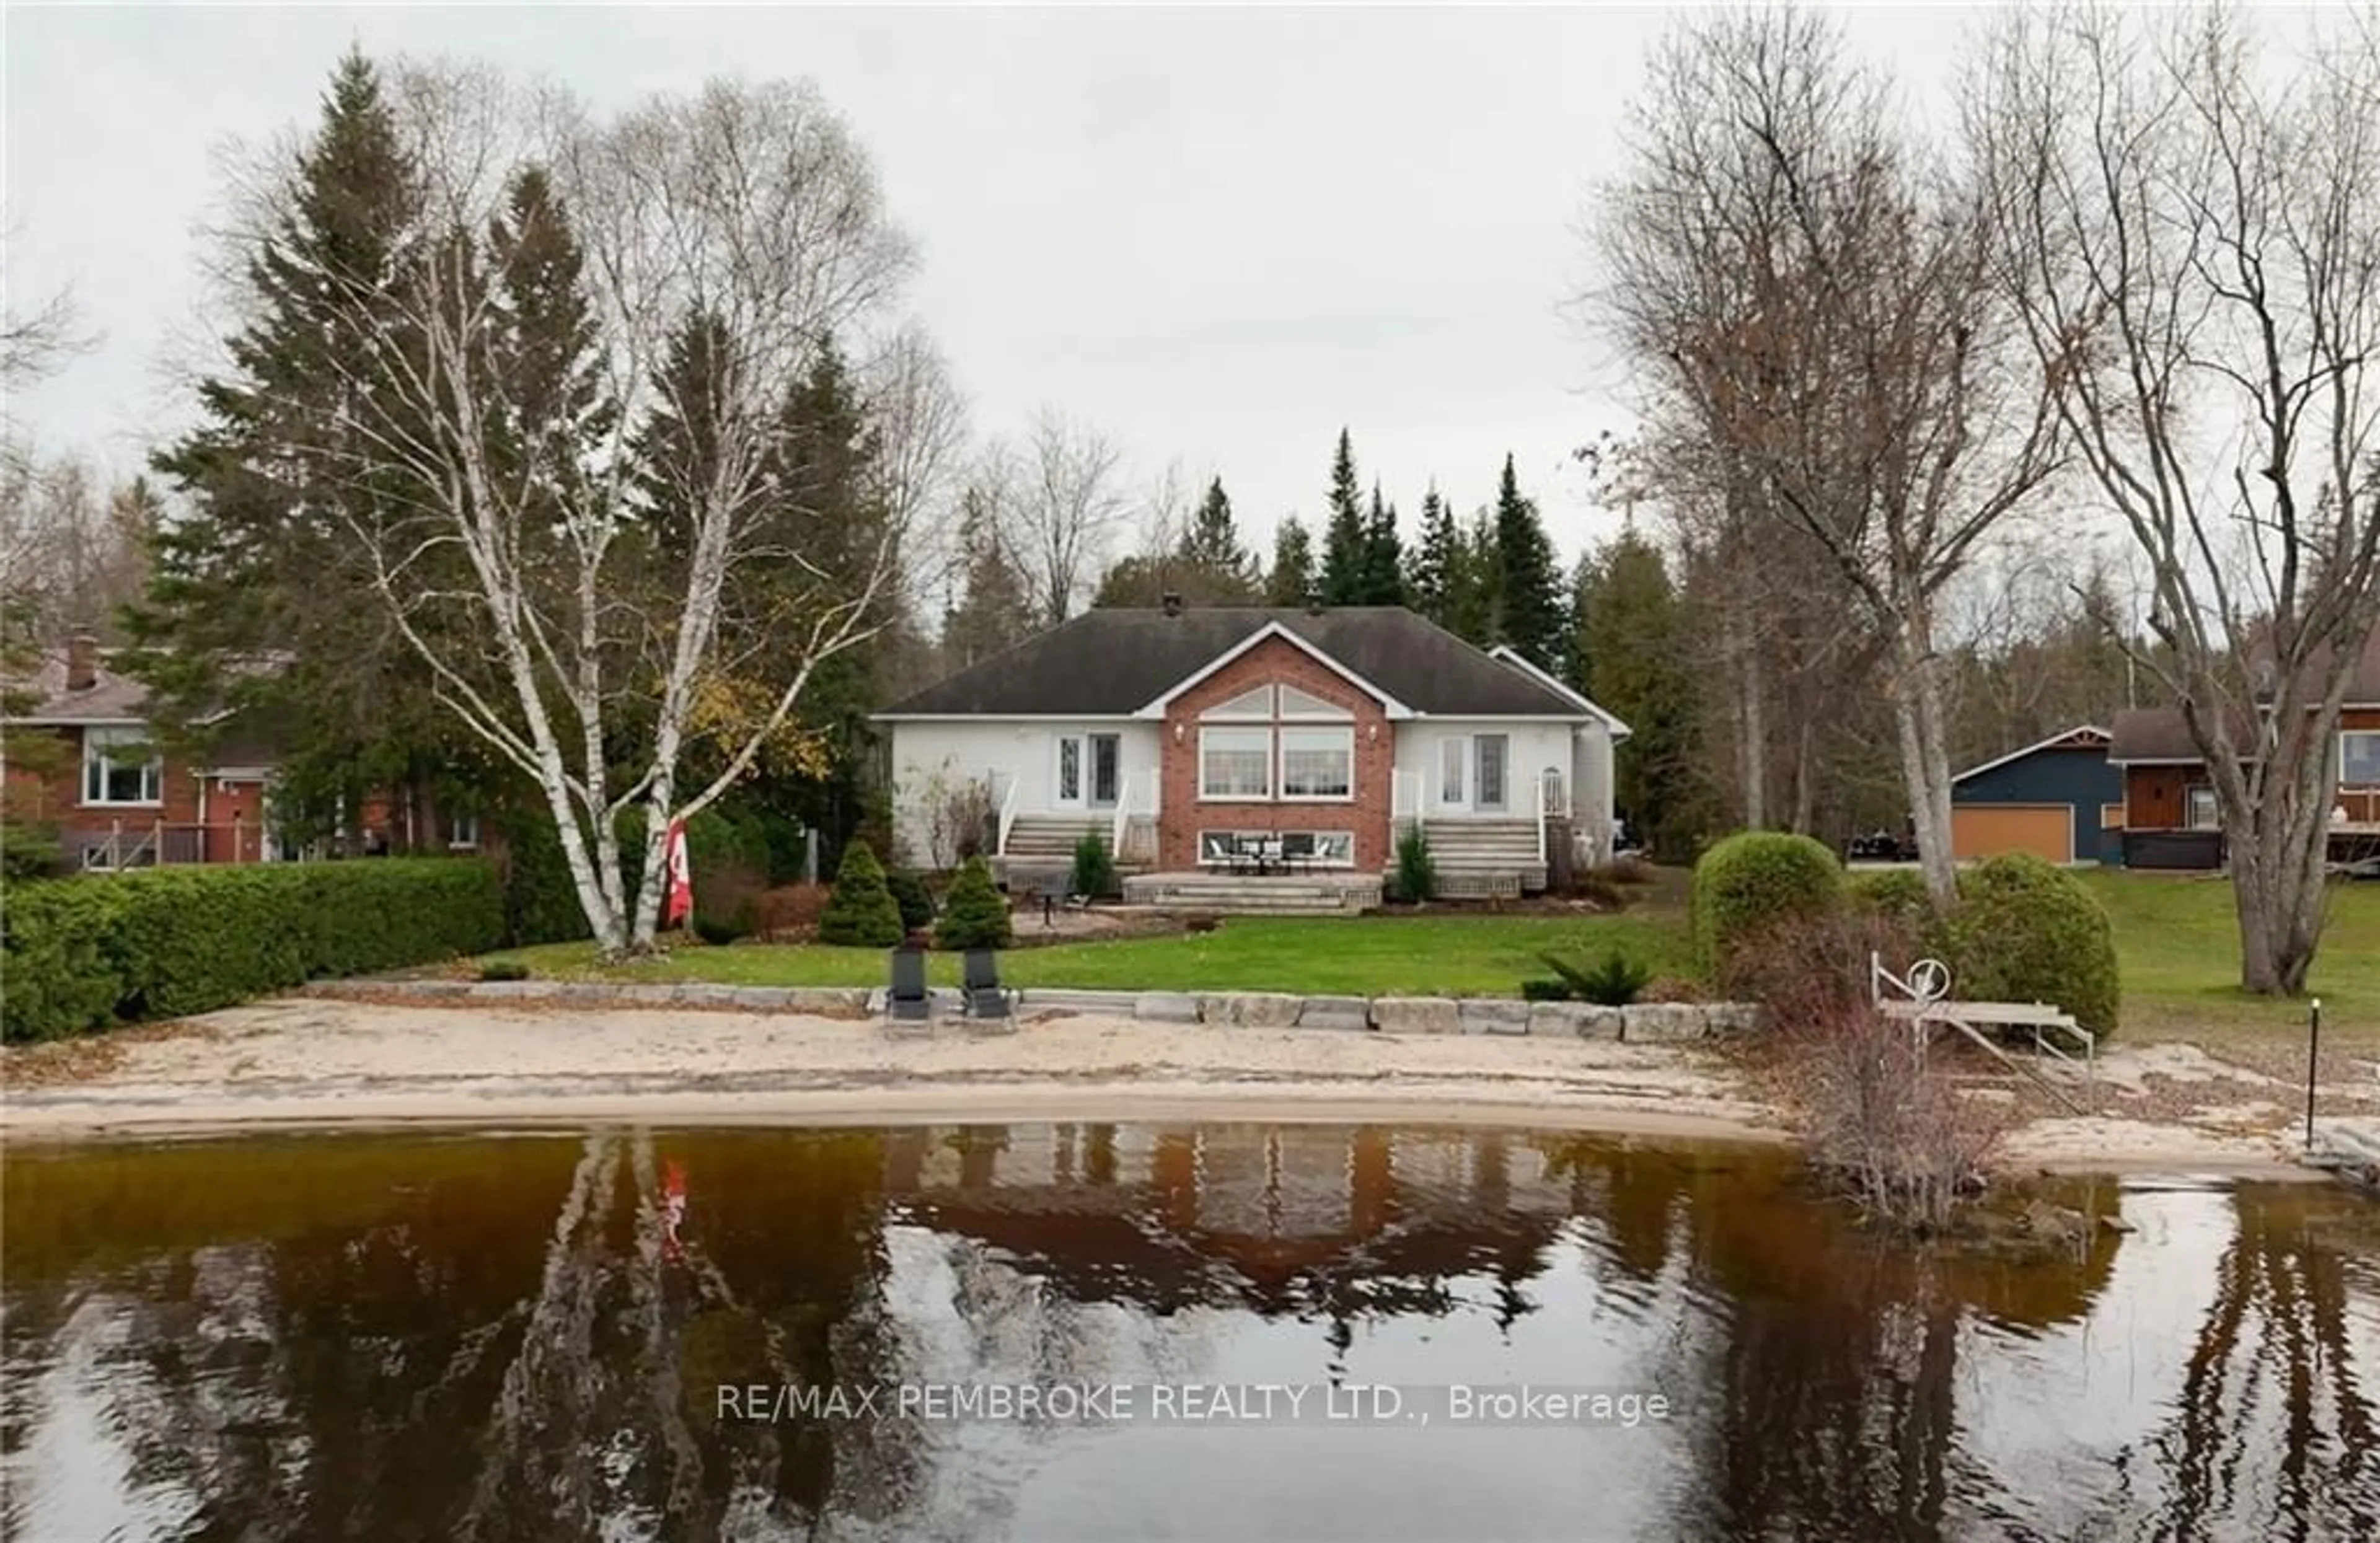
<point>2275,1418</point>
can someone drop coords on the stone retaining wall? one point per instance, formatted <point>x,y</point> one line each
<point>1644,1023</point>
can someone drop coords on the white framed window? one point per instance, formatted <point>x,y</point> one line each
<point>1234,765</point>
<point>1323,848</point>
<point>1318,763</point>
<point>121,766</point>
<point>2359,757</point>
<point>1256,702</point>
<point>1070,769</point>
<point>463,833</point>
<point>2198,805</point>
<point>1304,704</point>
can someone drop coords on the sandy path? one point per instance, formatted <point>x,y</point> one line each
<point>317,1063</point>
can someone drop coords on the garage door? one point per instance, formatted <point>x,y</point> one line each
<point>1988,830</point>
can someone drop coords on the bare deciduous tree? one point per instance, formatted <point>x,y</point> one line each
<point>528,569</point>
<point>2192,239</point>
<point>1816,293</point>
<point>1069,502</point>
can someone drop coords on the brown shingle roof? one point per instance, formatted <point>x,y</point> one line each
<point>1111,662</point>
<point>110,698</point>
<point>2151,733</point>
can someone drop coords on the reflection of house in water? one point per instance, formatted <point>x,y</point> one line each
<point>1280,1218</point>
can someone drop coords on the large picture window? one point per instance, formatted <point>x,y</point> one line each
<point>119,766</point>
<point>2359,757</point>
<point>1318,763</point>
<point>1236,763</point>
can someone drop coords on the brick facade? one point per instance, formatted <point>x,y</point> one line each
<point>1274,662</point>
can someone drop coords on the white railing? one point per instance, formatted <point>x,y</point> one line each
<point>1541,822</point>
<point>1007,817</point>
<point>1122,821</point>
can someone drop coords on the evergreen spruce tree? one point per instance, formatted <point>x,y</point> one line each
<point>1472,583</point>
<point>991,612</point>
<point>1212,543</point>
<point>1345,547</point>
<point>1291,582</point>
<point>261,563</point>
<point>1528,604</point>
<point>1384,554</point>
<point>1635,648</point>
<point>975,914</point>
<point>861,913</point>
<point>1436,571</point>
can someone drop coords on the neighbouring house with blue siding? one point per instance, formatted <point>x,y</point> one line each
<point>2059,799</point>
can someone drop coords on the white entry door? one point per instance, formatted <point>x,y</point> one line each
<point>1473,773</point>
<point>1089,773</point>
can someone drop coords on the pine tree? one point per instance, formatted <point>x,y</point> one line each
<point>1384,556</point>
<point>1291,582</point>
<point>1436,570</point>
<point>1528,608</point>
<point>1345,547</point>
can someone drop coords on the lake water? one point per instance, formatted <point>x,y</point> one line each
<point>1223,1331</point>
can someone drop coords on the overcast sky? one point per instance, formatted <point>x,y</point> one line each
<point>1219,234</point>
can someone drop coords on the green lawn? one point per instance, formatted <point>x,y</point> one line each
<point>2176,939</point>
<point>1422,956</point>
<point>2178,943</point>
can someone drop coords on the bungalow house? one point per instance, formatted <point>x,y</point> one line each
<point>119,799</point>
<point>2168,796</point>
<point>1207,740</point>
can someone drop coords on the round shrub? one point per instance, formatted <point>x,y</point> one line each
<point>2027,930</point>
<point>862,912</point>
<point>975,914</point>
<point>910,894</point>
<point>1896,893</point>
<point>1757,880</point>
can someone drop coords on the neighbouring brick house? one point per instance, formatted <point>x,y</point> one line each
<point>1191,737</point>
<point>2169,812</point>
<point>119,799</point>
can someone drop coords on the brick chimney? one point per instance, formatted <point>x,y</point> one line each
<point>1171,601</point>
<point>83,661</point>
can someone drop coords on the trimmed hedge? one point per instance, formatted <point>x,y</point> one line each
<point>88,953</point>
<point>2028,930</point>
<point>1755,880</point>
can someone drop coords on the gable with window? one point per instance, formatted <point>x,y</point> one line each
<point>1276,742</point>
<point>121,766</point>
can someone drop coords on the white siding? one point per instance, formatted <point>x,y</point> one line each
<point>1004,750</point>
<point>1536,746</point>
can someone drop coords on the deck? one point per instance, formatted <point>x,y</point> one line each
<point>1318,893</point>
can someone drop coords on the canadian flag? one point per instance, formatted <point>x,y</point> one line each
<point>677,903</point>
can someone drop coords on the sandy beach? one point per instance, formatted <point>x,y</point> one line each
<point>305,1062</point>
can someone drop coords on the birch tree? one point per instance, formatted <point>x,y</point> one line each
<point>2190,231</point>
<point>1069,502</point>
<point>1814,292</point>
<point>566,592</point>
